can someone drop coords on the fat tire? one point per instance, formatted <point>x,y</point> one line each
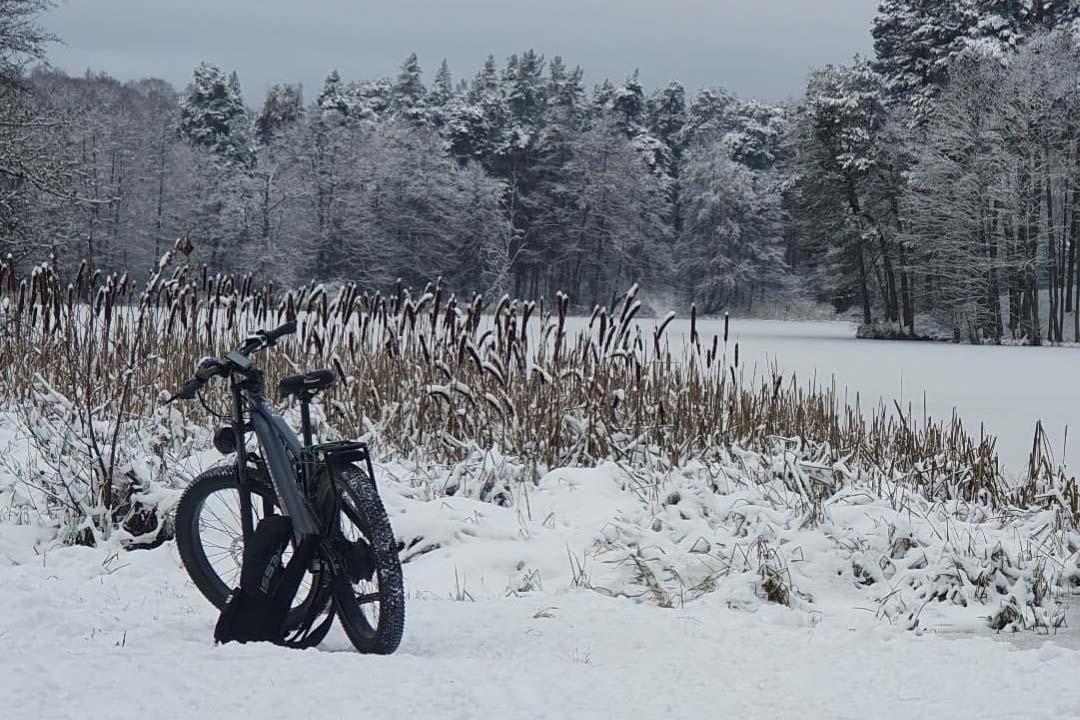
<point>199,569</point>
<point>375,525</point>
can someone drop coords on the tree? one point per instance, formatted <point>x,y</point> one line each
<point>212,115</point>
<point>274,182</point>
<point>23,41</point>
<point>514,156</point>
<point>845,114</point>
<point>914,41</point>
<point>955,204</point>
<point>408,96</point>
<point>617,229</point>
<point>442,88</point>
<point>282,109</point>
<point>706,117</point>
<point>731,246</point>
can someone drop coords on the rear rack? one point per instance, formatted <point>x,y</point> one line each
<point>342,451</point>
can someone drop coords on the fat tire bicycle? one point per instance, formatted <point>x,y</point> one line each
<point>327,492</point>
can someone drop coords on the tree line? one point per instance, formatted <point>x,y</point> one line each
<point>517,179</point>
<point>933,185</point>
<point>941,177</point>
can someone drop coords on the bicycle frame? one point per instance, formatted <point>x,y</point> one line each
<point>277,441</point>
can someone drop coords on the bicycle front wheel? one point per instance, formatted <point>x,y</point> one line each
<point>210,538</point>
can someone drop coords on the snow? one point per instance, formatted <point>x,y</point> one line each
<point>532,610</point>
<point>1004,389</point>
<point>76,611</point>
<point>83,631</point>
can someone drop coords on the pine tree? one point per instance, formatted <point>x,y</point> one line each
<point>486,82</point>
<point>441,97</point>
<point>627,106</point>
<point>566,109</point>
<point>1001,27</point>
<point>914,41</point>
<point>844,117</point>
<point>524,90</point>
<point>332,99</point>
<point>442,88</point>
<point>372,100</point>
<point>666,112</point>
<point>707,117</point>
<point>212,115</point>
<point>666,118</point>
<point>755,133</point>
<point>473,119</point>
<point>283,107</point>
<point>408,96</point>
<point>602,96</point>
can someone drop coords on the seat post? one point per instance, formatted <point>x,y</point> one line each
<point>305,418</point>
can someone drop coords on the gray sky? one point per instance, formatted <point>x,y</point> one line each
<point>761,48</point>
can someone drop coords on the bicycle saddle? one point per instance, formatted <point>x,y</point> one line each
<point>308,383</point>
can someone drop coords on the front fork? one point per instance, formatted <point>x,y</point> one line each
<point>243,482</point>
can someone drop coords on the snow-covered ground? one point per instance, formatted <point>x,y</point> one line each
<point>1004,389</point>
<point>83,634</point>
<point>540,610</point>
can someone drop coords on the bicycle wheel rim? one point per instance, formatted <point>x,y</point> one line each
<point>219,542</point>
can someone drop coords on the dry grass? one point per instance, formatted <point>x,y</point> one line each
<point>444,376</point>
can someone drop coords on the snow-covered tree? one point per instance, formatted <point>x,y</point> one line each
<point>212,115</point>
<point>731,246</point>
<point>23,153</point>
<point>282,108</point>
<point>844,117</point>
<point>408,97</point>
<point>955,204</point>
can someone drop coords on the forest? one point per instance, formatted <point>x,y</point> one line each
<point>935,185</point>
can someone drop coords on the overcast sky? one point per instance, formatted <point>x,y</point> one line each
<point>761,48</point>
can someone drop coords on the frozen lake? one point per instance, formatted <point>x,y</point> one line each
<point>1006,389</point>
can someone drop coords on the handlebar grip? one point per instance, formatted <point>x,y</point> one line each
<point>189,391</point>
<point>287,329</point>
<point>207,368</point>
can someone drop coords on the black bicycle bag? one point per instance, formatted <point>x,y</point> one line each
<point>258,610</point>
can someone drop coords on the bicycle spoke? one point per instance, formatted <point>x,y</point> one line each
<point>220,531</point>
<point>222,525</point>
<point>231,536</point>
<point>235,513</point>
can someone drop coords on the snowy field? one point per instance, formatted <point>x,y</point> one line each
<point>616,593</point>
<point>527,612</point>
<point>1005,389</point>
<point>86,635</point>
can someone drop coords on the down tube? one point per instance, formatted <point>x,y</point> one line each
<point>281,472</point>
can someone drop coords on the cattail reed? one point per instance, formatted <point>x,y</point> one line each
<point>537,390</point>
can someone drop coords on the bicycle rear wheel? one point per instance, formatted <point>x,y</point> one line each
<point>372,609</point>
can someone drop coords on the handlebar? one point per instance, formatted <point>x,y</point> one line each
<point>281,331</point>
<point>262,339</point>
<point>210,367</point>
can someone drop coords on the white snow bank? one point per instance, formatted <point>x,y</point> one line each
<point>83,633</point>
